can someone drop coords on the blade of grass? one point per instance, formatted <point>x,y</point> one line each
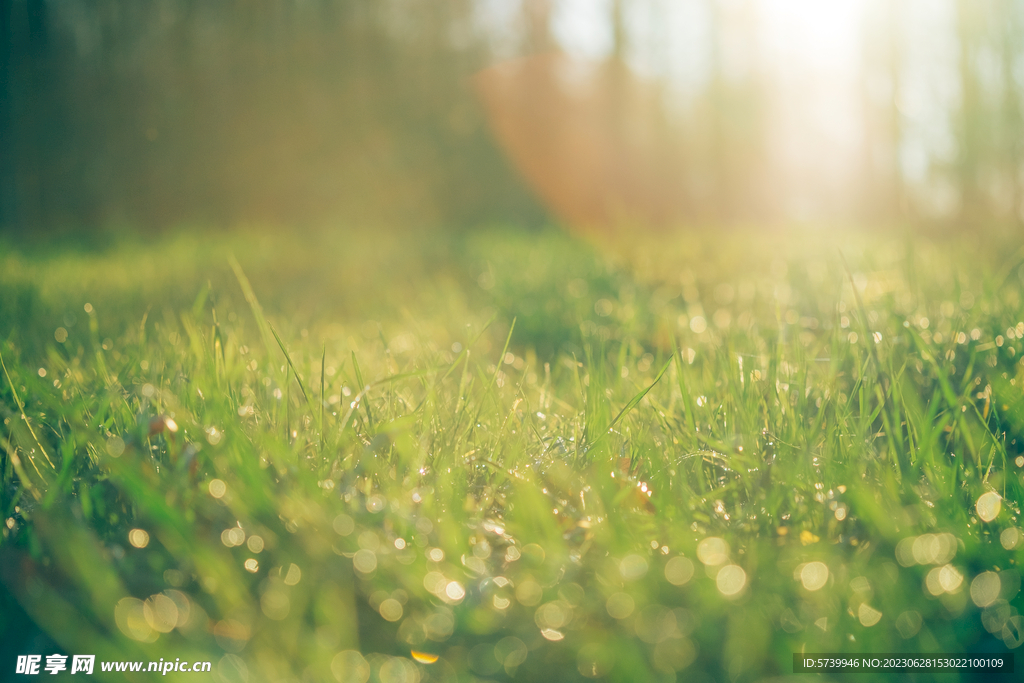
<point>24,418</point>
<point>363,388</point>
<point>633,402</point>
<point>291,365</point>
<point>323,402</point>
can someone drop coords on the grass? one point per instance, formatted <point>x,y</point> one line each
<point>513,455</point>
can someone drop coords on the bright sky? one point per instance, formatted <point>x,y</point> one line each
<point>808,51</point>
<point>810,54</point>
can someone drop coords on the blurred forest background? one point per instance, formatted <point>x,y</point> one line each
<point>296,112</point>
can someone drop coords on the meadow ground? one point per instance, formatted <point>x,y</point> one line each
<point>512,454</point>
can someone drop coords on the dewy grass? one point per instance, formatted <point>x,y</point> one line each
<point>691,461</point>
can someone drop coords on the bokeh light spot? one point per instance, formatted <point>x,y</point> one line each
<point>633,567</point>
<point>255,544</point>
<point>343,525</point>
<point>115,446</point>
<point>364,561</point>
<point>424,657</point>
<point>350,666</point>
<point>218,488</point>
<point>868,615</point>
<point>161,613</point>
<point>713,551</point>
<point>391,609</point>
<point>985,589</point>
<point>814,575</point>
<point>138,538</point>
<point>678,570</point>
<point>989,505</point>
<point>620,605</point>
<point>731,580</point>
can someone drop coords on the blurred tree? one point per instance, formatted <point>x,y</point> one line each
<point>8,212</point>
<point>1010,46</point>
<point>988,131</point>
<point>883,63</point>
<point>893,195</point>
<point>537,14</point>
<point>153,114</point>
<point>740,188</point>
<point>620,36</point>
<point>971,130</point>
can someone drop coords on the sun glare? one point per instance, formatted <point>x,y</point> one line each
<point>815,36</point>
